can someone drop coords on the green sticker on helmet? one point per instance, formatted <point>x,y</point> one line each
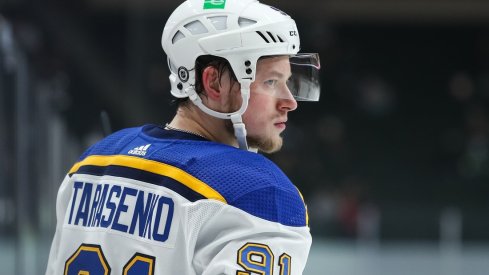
<point>214,4</point>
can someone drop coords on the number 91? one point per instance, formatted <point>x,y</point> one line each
<point>259,259</point>
<point>89,259</point>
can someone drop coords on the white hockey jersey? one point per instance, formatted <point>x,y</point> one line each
<point>152,201</point>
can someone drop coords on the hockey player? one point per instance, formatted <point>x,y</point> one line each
<point>193,196</point>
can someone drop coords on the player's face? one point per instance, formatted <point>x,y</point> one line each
<point>270,101</point>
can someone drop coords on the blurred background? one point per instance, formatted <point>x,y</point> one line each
<point>393,161</point>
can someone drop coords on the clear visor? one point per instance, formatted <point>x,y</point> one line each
<point>297,77</point>
<point>304,82</point>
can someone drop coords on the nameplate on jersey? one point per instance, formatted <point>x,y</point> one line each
<point>114,207</point>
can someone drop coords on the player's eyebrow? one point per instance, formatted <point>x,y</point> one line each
<point>278,74</point>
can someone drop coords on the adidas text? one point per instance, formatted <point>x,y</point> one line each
<point>139,151</point>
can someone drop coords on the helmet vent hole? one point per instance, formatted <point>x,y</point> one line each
<point>280,39</point>
<point>179,35</point>
<point>271,36</point>
<point>263,36</point>
<point>196,27</point>
<point>219,22</point>
<point>243,22</point>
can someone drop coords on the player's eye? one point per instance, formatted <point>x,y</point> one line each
<point>271,83</point>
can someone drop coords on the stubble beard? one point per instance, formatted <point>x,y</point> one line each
<point>265,144</point>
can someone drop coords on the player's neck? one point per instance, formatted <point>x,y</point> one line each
<point>192,119</point>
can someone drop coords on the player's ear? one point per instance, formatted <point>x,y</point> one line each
<point>210,81</point>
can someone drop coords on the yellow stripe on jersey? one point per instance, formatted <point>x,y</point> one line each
<point>154,167</point>
<point>305,206</point>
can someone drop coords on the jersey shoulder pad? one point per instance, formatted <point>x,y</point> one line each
<point>255,185</point>
<point>113,143</point>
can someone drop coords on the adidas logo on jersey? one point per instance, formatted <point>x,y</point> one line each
<point>139,151</point>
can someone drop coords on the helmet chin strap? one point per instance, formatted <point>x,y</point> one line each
<point>239,131</point>
<point>235,117</point>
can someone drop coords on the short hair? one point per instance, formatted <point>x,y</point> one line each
<point>202,62</point>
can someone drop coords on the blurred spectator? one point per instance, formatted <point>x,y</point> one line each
<point>474,162</point>
<point>323,211</point>
<point>461,87</point>
<point>375,96</point>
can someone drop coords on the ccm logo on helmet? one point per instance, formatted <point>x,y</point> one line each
<point>293,33</point>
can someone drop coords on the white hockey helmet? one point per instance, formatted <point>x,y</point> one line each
<point>240,31</point>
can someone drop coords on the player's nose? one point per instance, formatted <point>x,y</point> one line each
<point>287,101</point>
